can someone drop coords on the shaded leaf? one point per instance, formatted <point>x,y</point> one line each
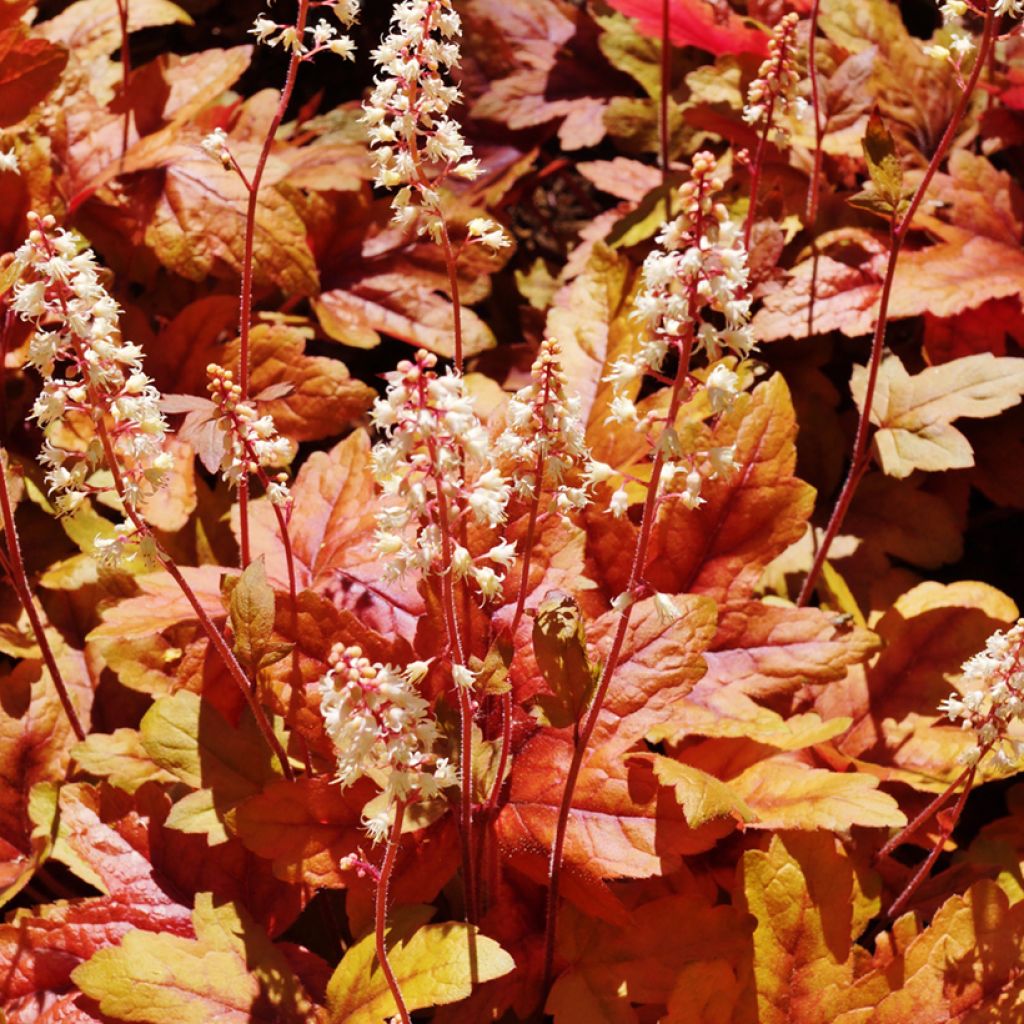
<point>229,973</point>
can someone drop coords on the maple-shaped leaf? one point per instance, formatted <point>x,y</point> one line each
<point>230,972</point>
<point>305,828</point>
<point>35,737</point>
<point>162,605</point>
<point>611,968</point>
<point>928,633</point>
<point>431,963</point>
<point>30,68</point>
<point>120,759</point>
<point>198,227</point>
<point>941,280</point>
<point>309,397</point>
<point>187,737</point>
<point>748,518</point>
<point>809,901</point>
<point>332,534</point>
<point>91,28</point>
<point>915,414</point>
<point>548,67</point>
<point>715,28</point>
<point>963,967</point>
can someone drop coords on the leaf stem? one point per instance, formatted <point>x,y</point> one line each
<point>381,911</point>
<point>245,297</point>
<point>19,580</point>
<point>860,456</point>
<point>663,105</point>
<point>755,173</point>
<point>585,734</point>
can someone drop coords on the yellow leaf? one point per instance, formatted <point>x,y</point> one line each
<point>702,797</point>
<point>119,758</point>
<point>229,974</point>
<point>808,903</point>
<point>431,963</point>
<point>915,413</point>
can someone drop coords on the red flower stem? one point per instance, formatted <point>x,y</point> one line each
<point>381,911</point>
<point>663,105</point>
<point>583,739</point>
<point>936,805</point>
<point>465,702</point>
<point>19,580</point>
<point>126,70</point>
<point>453,287</point>
<point>755,173</point>
<point>860,455</point>
<point>245,298</point>
<point>814,188</point>
<point>944,833</point>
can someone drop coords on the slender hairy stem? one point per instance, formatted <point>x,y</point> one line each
<point>245,297</point>
<point>898,234</point>
<point>19,579</point>
<point>453,286</point>
<point>381,911</point>
<point>126,71</point>
<point>814,188</point>
<point>755,173</point>
<point>458,656</point>
<point>663,106</point>
<point>583,738</point>
<point>945,831</point>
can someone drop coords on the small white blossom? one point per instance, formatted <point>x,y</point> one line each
<point>9,161</point>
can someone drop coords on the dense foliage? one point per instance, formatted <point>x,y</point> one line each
<point>511,510</point>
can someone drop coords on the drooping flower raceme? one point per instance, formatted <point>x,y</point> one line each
<point>992,697</point>
<point>436,473</point>
<point>416,144</point>
<point>699,267</point>
<point>252,445</point>
<point>381,726</point>
<point>91,375</point>
<point>544,436</point>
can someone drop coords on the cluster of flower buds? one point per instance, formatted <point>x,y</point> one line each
<point>324,34</point>
<point>992,697</point>
<point>381,726</point>
<point>434,440</point>
<point>252,444</point>
<point>544,436</point>
<point>416,145</point>
<point>959,43</point>
<point>91,376</point>
<point>215,146</point>
<point>773,91</point>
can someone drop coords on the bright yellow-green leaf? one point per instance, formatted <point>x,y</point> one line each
<point>229,974</point>
<point>188,738</point>
<point>431,963</point>
<point>120,758</point>
<point>702,797</point>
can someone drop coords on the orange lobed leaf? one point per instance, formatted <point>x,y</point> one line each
<point>30,68</point>
<point>721,548</point>
<point>914,414</point>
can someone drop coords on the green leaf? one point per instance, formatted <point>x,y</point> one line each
<point>188,738</point>
<point>885,169</point>
<point>230,973</point>
<point>431,963</point>
<point>251,607</point>
<point>120,758</point>
<point>560,649</point>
